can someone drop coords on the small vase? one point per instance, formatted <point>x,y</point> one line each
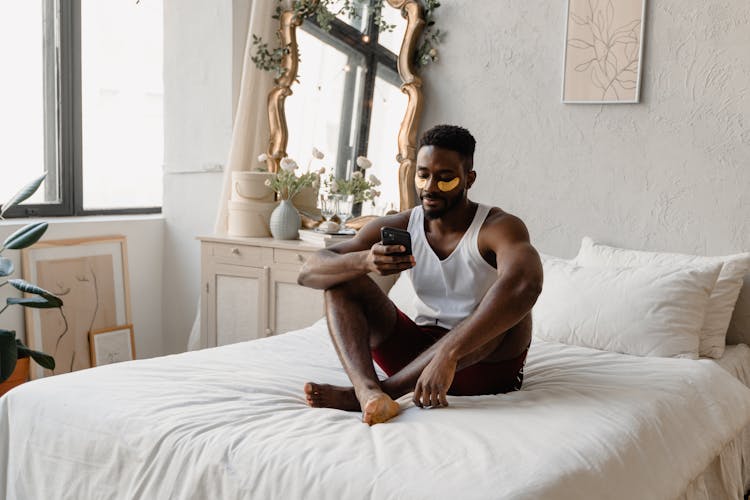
<point>285,221</point>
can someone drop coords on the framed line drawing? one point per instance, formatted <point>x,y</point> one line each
<point>603,51</point>
<point>90,275</point>
<point>112,345</point>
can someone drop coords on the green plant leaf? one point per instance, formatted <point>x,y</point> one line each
<point>23,194</point>
<point>6,267</point>
<point>35,302</point>
<point>26,236</point>
<point>27,287</point>
<point>8,353</point>
<point>44,360</point>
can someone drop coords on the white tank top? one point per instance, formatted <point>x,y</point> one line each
<point>448,290</point>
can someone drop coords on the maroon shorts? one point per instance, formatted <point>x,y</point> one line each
<point>408,340</point>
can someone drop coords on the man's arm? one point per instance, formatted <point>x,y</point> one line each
<point>361,255</point>
<point>508,301</point>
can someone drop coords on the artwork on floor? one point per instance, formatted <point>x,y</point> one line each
<point>603,48</point>
<point>112,345</point>
<point>91,277</point>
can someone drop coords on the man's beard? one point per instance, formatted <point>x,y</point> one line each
<point>449,203</point>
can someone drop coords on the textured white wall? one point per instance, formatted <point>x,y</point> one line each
<point>203,47</point>
<point>671,173</point>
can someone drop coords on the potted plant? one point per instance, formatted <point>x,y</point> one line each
<point>14,355</point>
<point>361,188</point>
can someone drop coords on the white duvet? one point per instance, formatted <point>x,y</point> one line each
<point>231,422</point>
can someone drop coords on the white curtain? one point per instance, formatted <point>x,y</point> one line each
<point>250,134</point>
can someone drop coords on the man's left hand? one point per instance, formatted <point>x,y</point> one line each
<point>437,377</point>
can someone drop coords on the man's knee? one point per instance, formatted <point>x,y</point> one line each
<point>358,288</point>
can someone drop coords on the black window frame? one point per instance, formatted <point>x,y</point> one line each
<point>62,119</point>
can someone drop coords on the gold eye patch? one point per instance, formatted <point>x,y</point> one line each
<point>450,185</point>
<point>420,182</point>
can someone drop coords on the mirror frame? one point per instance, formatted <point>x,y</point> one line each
<point>411,85</point>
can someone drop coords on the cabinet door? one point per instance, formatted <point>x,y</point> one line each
<point>237,304</point>
<point>292,306</point>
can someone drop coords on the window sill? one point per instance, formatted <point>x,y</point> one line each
<point>84,219</point>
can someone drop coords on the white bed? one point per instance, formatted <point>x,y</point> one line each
<point>231,422</point>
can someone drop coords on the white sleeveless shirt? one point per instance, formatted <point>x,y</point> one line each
<point>448,290</point>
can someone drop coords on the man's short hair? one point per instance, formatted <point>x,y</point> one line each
<point>451,137</point>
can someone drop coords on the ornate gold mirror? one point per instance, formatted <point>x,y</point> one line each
<point>383,128</point>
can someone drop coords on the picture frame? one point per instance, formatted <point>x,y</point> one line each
<point>91,277</point>
<point>599,71</point>
<point>112,345</point>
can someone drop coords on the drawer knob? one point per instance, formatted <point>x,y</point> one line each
<point>235,251</point>
<point>269,332</point>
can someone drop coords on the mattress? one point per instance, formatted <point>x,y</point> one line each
<point>736,361</point>
<point>231,422</point>
<point>728,476</point>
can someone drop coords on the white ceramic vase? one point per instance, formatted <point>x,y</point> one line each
<point>285,221</point>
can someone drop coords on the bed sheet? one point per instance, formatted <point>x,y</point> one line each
<point>231,422</point>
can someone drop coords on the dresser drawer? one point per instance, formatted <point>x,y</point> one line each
<point>236,254</point>
<point>296,257</point>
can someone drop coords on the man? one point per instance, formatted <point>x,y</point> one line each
<point>476,276</point>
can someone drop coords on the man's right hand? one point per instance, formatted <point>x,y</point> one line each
<point>381,260</point>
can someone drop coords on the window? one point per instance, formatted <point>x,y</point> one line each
<point>349,102</point>
<point>84,104</point>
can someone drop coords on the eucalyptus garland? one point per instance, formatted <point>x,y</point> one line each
<point>269,58</point>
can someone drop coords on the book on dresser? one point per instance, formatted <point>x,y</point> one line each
<point>323,239</point>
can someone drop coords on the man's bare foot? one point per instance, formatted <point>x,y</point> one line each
<point>331,396</point>
<point>379,408</point>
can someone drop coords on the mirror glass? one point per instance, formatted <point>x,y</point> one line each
<point>321,112</point>
<point>391,40</point>
<point>388,108</point>
<point>348,102</point>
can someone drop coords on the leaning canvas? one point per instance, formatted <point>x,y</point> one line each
<point>91,277</point>
<point>603,48</point>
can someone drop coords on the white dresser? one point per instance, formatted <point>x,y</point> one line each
<point>250,290</point>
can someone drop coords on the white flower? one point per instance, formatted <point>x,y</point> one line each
<point>357,175</point>
<point>268,183</point>
<point>363,162</point>
<point>433,52</point>
<point>317,154</point>
<point>374,180</point>
<point>375,193</point>
<point>262,157</point>
<point>289,164</point>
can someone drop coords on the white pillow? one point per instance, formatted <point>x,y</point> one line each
<point>645,311</point>
<point>724,295</point>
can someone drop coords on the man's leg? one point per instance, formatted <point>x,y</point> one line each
<point>360,316</point>
<point>507,347</point>
<point>504,347</point>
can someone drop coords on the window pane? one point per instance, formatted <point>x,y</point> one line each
<point>22,97</point>
<point>388,110</point>
<point>359,22</point>
<point>323,111</point>
<point>121,99</point>
<point>391,40</point>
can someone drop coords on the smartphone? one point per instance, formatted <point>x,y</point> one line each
<point>395,236</point>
